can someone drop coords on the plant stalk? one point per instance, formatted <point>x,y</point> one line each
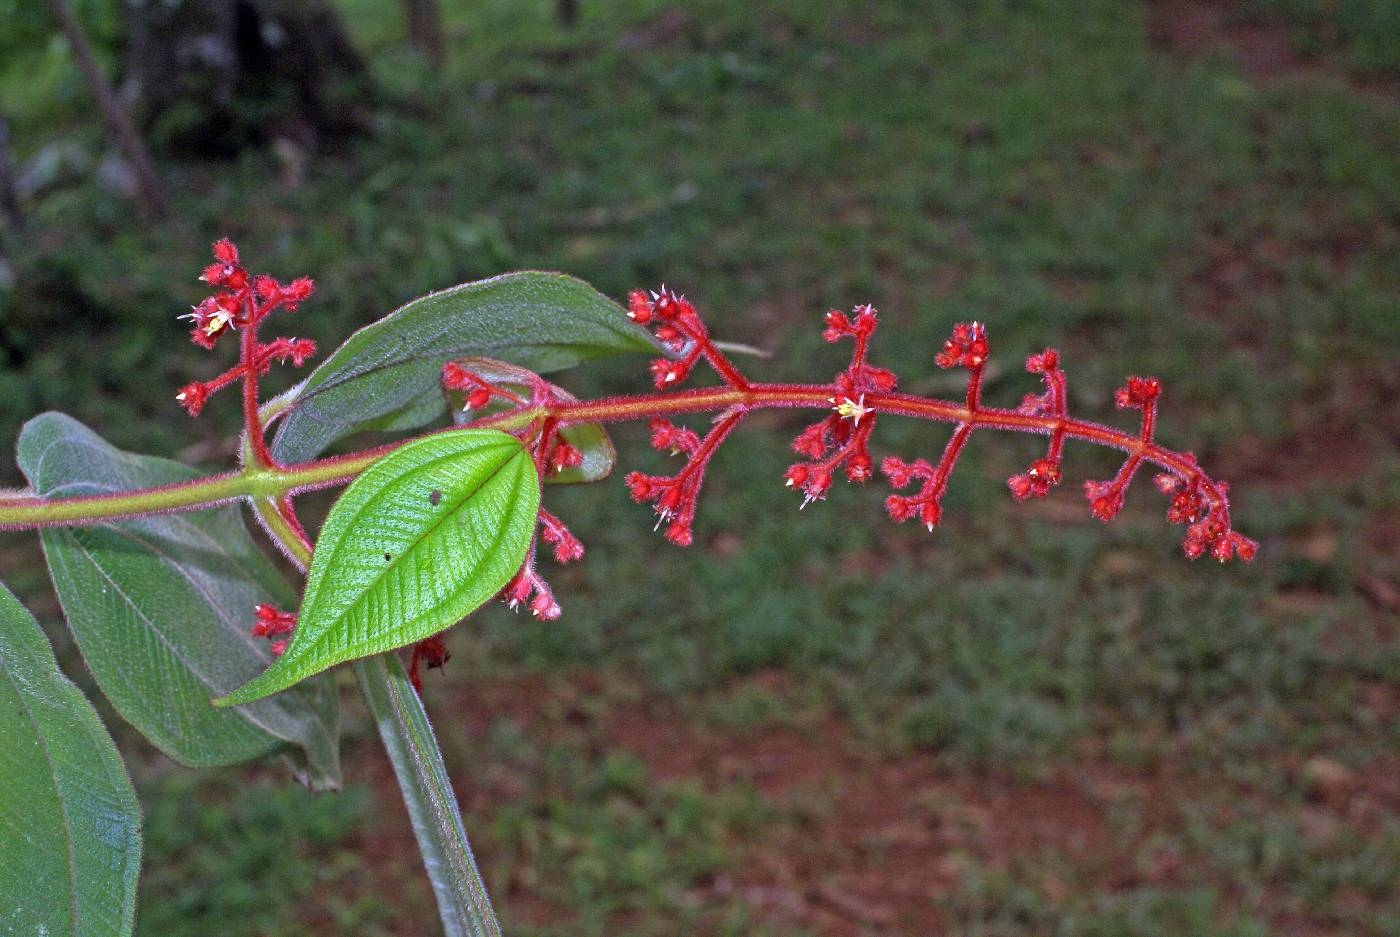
<point>27,512</point>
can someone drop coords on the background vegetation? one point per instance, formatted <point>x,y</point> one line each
<point>824,723</point>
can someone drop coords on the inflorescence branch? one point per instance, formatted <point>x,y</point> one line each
<point>240,305</point>
<point>838,442</point>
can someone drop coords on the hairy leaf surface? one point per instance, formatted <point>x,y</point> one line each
<point>417,542</point>
<point>386,375</point>
<point>70,826</point>
<point>162,607</point>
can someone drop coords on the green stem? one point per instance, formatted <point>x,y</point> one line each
<point>408,738</point>
<point>427,793</point>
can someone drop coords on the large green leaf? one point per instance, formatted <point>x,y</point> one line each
<point>590,439</point>
<point>70,826</point>
<point>162,607</point>
<point>416,543</point>
<point>386,375</point>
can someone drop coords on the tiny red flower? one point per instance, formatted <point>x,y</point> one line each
<point>1137,393</point>
<point>639,307</point>
<point>192,397</point>
<point>1105,499</point>
<point>966,348</point>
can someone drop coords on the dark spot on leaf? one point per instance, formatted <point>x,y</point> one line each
<point>388,557</point>
<point>435,497</point>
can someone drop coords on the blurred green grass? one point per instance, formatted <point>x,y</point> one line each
<point>1042,167</point>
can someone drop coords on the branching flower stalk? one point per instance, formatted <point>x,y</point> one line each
<point>852,403</point>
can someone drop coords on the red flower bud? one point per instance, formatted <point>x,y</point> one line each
<point>543,607</point>
<point>1138,393</point>
<point>565,456</point>
<point>225,252</point>
<point>193,397</point>
<point>680,533</point>
<point>639,307</point>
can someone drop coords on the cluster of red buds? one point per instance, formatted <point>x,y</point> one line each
<point>241,303</point>
<point>1208,520</point>
<point>966,348</point>
<point>679,328</point>
<point>273,623</point>
<point>841,440</point>
<point>675,496</point>
<point>551,452</point>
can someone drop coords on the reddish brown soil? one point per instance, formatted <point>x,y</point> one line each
<point>1195,27</point>
<point>1261,46</point>
<point>864,842</point>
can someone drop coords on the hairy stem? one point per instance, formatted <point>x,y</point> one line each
<point>17,513</point>
<point>256,441</point>
<point>408,737</point>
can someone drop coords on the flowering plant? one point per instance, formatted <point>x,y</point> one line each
<point>164,589</point>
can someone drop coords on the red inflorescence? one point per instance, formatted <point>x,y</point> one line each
<point>839,442</point>
<point>242,303</point>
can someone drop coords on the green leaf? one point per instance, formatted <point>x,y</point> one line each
<point>417,542</point>
<point>599,455</point>
<point>70,826</point>
<point>162,607</point>
<point>387,374</point>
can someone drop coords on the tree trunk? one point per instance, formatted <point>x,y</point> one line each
<point>151,195</point>
<point>567,12</point>
<point>425,29</point>
<point>9,186</point>
<point>216,76</point>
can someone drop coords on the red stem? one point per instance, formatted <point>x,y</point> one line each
<point>323,472</point>
<point>248,352</point>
